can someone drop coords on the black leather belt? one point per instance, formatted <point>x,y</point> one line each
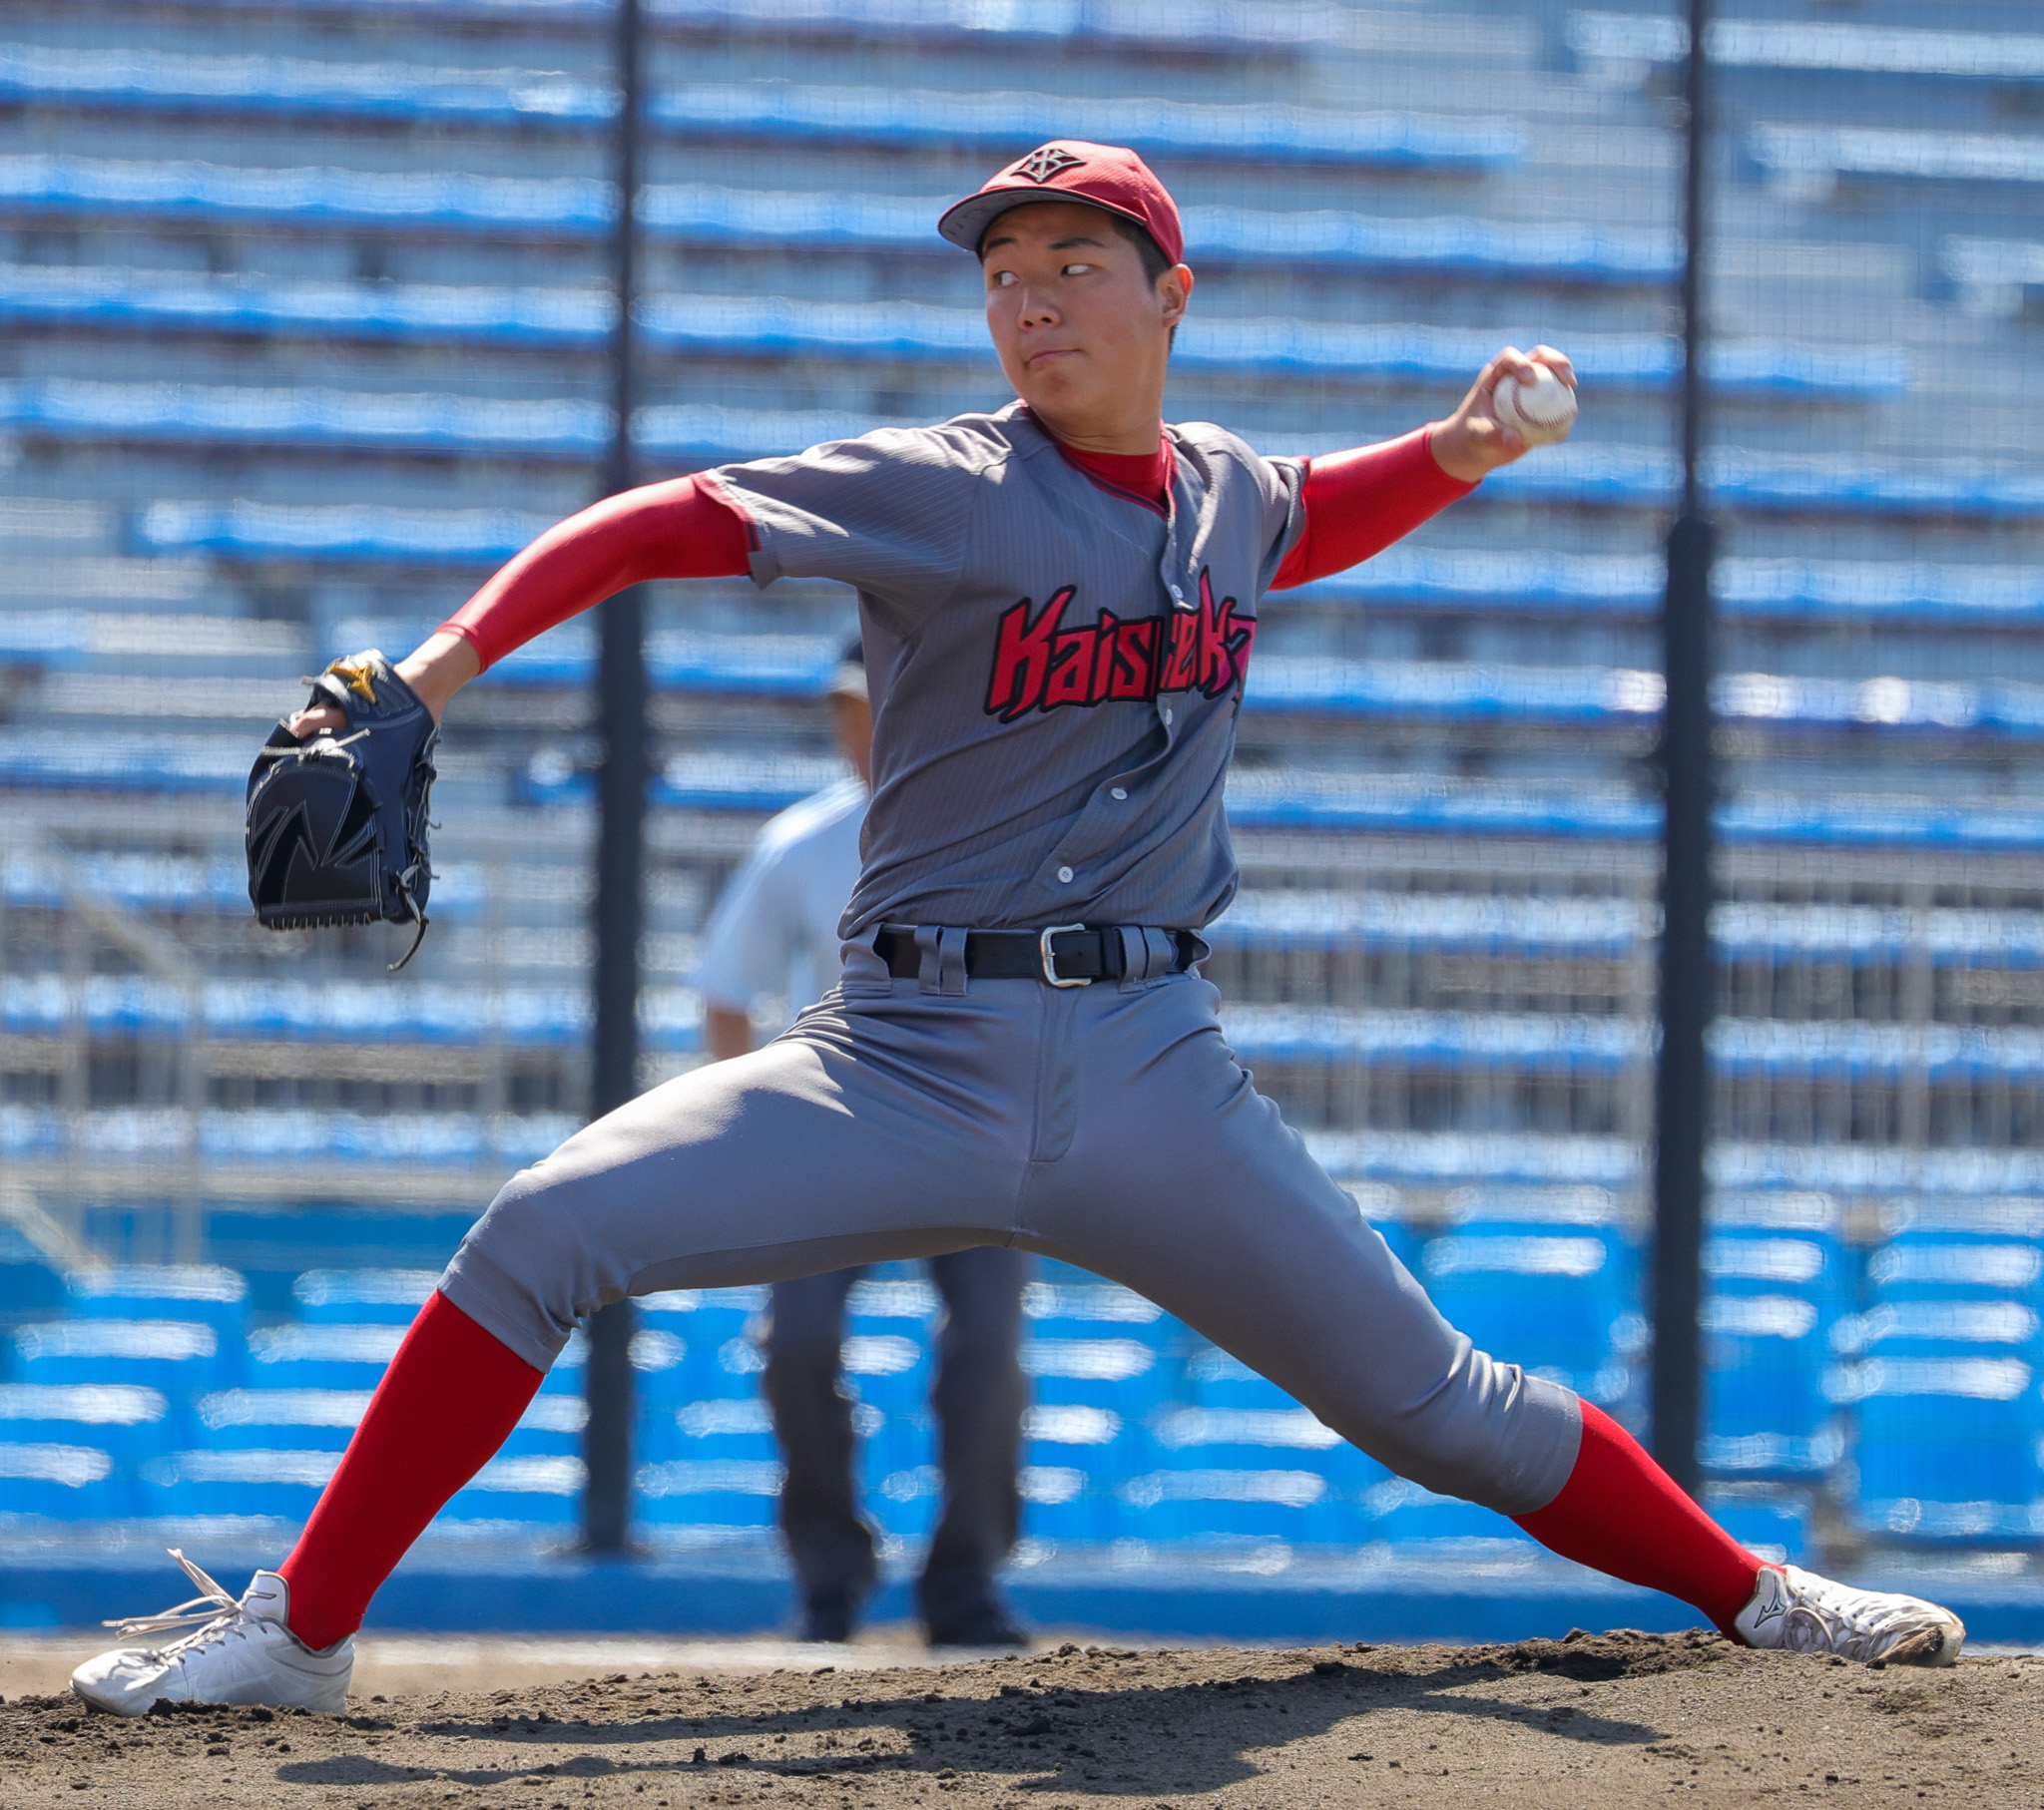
<point>1065,955</point>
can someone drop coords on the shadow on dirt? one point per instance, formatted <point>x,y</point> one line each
<point>1064,1736</point>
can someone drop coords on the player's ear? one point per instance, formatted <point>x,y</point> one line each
<point>1173,290</point>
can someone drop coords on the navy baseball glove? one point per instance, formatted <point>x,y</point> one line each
<point>337,822</point>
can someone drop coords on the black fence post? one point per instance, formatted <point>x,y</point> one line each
<point>620,907</point>
<point>1688,978</point>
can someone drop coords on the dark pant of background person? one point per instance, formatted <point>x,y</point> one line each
<point>978,1397</point>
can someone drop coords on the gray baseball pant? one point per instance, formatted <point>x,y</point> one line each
<point>1107,1125</point>
<point>978,1395</point>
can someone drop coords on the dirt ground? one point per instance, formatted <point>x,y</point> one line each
<point>1610,1719</point>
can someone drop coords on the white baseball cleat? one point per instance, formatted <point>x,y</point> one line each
<point>1794,1611</point>
<point>231,1652</point>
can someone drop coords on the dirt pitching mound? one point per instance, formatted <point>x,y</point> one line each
<point>1603,1719</point>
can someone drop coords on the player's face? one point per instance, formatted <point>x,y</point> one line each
<point>1082,332</point>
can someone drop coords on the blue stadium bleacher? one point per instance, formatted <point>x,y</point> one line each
<point>751,326</point>
<point>94,1398</point>
<point>783,111</point>
<point>1591,584</point>
<point>558,428</point>
<point>1940,1370</point>
<point>1205,23</point>
<point>1587,926</point>
<point>1993,276</point>
<point>70,1450</point>
<point>174,1356</point>
<point>1801,157</point>
<point>797,666</point>
<point>1289,799</point>
<point>1199,24</point>
<point>708,1458</point>
<point>1780,1281</point>
<point>1522,1042</point>
<point>1100,1362</point>
<point>1845,47</point>
<point>1473,578</point>
<point>1289,918</point>
<point>710,214</point>
<point>31,1285</point>
<point>280,1139</point>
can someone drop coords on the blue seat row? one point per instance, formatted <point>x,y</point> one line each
<point>1302,799</point>
<point>1544,1042</point>
<point>489,1145</point>
<point>1810,46</point>
<point>1594,694</point>
<point>1138,1425</point>
<point>1526,1042</point>
<point>495,1143</point>
<point>1942,1373</point>
<point>1282,798</point>
<point>1742,931</point>
<point>219,86</point>
<point>1139,1429</point>
<point>1992,275</point>
<point>753,326</point>
<point>1600,583</point>
<point>1807,154</point>
<point>1780,1283</point>
<point>670,1018</point>
<point>1524,579</point>
<point>1166,25</point>
<point>799,666</point>
<point>320,1011</point>
<point>566,428</point>
<point>706,213</point>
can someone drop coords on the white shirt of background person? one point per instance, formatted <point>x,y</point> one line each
<point>774,930</point>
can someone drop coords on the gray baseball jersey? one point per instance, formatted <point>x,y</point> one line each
<point>1055,670</point>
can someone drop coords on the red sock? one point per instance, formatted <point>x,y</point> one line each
<point>1621,1513</point>
<point>450,1398</point>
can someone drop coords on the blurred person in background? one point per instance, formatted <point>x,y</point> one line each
<point>775,932</point>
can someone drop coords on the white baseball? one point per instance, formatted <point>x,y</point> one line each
<point>1541,412</point>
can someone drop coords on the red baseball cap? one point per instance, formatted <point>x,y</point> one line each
<point>1072,169</point>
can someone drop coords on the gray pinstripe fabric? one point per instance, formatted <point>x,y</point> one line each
<point>992,777</point>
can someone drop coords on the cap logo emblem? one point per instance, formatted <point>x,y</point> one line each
<point>1045,161</point>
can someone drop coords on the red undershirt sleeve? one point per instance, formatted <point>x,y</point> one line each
<point>1357,503</point>
<point>679,529</point>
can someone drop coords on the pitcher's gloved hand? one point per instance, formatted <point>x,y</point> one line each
<point>337,823</point>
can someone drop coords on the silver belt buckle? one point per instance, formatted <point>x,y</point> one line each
<point>1050,960</point>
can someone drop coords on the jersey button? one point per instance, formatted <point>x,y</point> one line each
<point>1064,876</point>
<point>1120,791</point>
<point>1176,596</point>
<point>1164,713</point>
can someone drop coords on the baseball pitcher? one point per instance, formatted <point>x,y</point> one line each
<point>1059,602</point>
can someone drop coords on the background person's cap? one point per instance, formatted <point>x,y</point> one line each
<point>1072,169</point>
<point>848,677</point>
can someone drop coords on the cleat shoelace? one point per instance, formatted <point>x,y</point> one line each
<point>1817,1622</point>
<point>212,1606</point>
